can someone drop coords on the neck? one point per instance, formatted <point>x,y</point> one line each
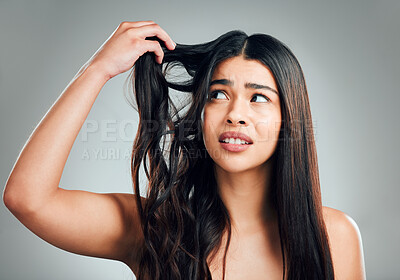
<point>246,195</point>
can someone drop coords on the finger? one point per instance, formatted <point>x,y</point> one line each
<point>154,46</point>
<point>156,30</point>
<point>142,23</point>
<point>133,24</point>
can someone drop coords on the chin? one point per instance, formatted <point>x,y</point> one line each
<point>234,166</point>
<point>232,170</point>
<point>239,164</point>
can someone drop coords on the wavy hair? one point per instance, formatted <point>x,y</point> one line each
<point>183,218</point>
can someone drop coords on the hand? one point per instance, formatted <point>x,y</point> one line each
<point>126,44</point>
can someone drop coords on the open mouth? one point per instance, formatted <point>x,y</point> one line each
<point>235,146</point>
<point>235,138</point>
<point>236,141</point>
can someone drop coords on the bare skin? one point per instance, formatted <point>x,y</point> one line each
<point>258,255</point>
<point>107,225</point>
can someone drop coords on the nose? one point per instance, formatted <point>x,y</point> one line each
<point>237,114</point>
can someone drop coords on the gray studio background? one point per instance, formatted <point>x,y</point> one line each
<point>349,51</point>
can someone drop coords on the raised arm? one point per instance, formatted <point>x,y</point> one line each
<point>101,225</point>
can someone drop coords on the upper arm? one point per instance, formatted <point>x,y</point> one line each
<point>346,245</point>
<point>86,223</point>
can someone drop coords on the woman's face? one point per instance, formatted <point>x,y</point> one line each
<point>243,97</point>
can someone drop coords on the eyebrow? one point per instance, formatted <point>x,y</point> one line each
<point>246,85</point>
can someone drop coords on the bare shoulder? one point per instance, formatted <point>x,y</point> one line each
<point>346,244</point>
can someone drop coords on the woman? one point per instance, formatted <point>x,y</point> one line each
<point>233,182</point>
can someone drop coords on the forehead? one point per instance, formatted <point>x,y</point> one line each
<point>244,70</point>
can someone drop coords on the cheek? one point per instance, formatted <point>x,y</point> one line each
<point>268,129</point>
<point>209,123</point>
<point>207,127</point>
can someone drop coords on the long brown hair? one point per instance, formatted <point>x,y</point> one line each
<point>184,217</point>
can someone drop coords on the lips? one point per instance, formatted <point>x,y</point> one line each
<point>235,134</point>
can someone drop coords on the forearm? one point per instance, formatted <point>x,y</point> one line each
<point>38,169</point>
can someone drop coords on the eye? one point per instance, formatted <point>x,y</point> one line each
<point>214,94</point>
<point>263,96</point>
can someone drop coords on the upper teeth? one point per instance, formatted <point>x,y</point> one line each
<point>234,141</point>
